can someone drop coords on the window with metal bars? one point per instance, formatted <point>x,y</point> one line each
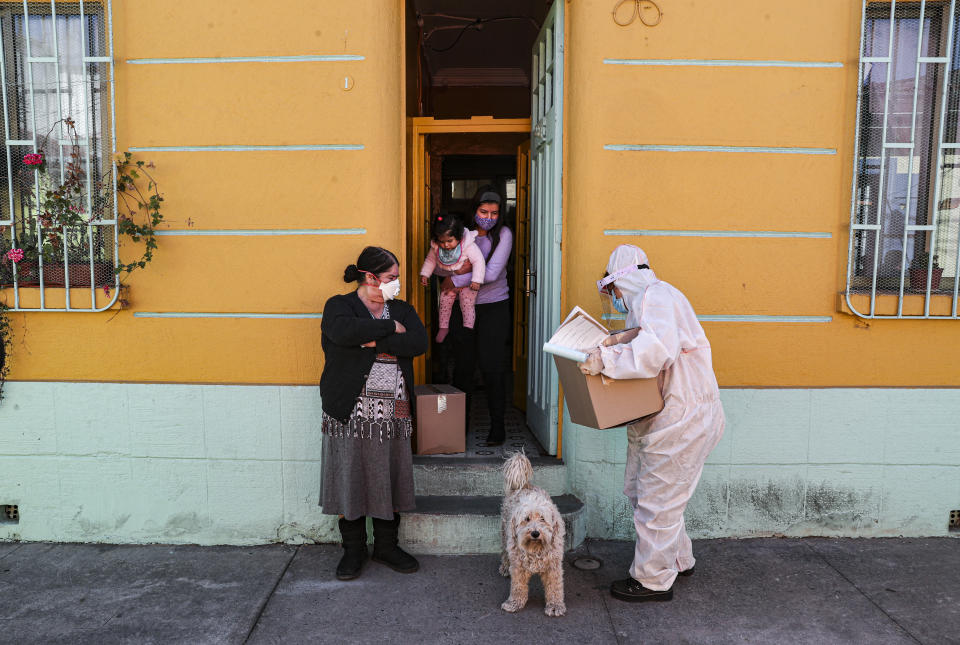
<point>57,69</point>
<point>905,215</point>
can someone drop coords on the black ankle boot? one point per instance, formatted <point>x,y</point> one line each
<point>385,549</point>
<point>353,534</point>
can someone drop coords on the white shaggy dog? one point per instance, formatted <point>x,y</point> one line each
<point>532,532</point>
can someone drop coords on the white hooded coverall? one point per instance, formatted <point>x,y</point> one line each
<point>666,451</point>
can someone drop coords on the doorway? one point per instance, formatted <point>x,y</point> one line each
<point>448,161</point>
<point>498,52</point>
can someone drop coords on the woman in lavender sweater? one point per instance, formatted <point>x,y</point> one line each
<point>485,344</point>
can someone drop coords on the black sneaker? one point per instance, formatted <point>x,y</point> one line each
<point>687,573</point>
<point>632,591</point>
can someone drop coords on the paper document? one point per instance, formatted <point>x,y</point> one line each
<point>577,336</point>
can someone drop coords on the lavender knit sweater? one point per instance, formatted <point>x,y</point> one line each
<point>494,287</point>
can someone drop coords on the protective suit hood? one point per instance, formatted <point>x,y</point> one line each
<point>633,284</point>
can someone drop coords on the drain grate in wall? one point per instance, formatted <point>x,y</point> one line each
<point>11,514</point>
<point>954,521</point>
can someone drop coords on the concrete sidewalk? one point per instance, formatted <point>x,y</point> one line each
<point>758,591</point>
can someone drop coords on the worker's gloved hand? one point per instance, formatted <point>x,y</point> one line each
<point>593,365</point>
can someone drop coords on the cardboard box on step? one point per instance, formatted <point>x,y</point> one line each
<point>598,401</point>
<point>441,413</point>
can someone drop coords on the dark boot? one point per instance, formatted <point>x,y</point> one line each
<point>385,549</point>
<point>353,534</point>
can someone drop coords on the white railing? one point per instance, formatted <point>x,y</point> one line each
<point>62,53</point>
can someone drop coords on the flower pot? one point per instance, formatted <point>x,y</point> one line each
<point>54,275</point>
<point>918,279</point>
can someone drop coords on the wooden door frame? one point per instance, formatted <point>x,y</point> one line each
<point>417,222</point>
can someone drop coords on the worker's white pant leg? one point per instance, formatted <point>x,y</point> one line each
<point>663,467</point>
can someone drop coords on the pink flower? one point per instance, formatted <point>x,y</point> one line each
<point>33,159</point>
<point>15,255</point>
<point>106,289</point>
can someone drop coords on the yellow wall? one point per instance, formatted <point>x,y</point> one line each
<point>302,103</point>
<point>735,106</point>
<point>257,103</point>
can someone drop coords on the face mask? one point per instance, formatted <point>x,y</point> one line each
<point>619,305</point>
<point>448,256</point>
<point>485,223</point>
<point>390,290</point>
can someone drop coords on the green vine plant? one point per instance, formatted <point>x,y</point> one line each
<point>54,224</point>
<point>130,174</point>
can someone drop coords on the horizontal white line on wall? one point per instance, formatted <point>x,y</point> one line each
<point>328,146</point>
<point>305,231</point>
<point>761,149</point>
<point>707,62</point>
<point>745,318</point>
<point>767,319</point>
<point>197,314</point>
<point>679,233</point>
<point>329,58</point>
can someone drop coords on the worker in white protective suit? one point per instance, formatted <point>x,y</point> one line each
<point>665,451</point>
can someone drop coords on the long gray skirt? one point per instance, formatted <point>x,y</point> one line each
<point>365,476</point>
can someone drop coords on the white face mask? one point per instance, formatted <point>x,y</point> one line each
<point>390,290</point>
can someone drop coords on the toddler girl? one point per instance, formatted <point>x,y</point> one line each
<point>452,251</point>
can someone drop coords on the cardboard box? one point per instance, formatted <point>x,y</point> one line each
<point>441,411</point>
<point>598,401</point>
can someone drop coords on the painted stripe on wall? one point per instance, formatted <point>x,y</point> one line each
<point>761,149</point>
<point>745,318</point>
<point>328,58</point>
<point>330,146</point>
<point>197,314</point>
<point>306,231</point>
<point>680,233</point>
<point>720,63</point>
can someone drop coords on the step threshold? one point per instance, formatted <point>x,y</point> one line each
<point>459,460</point>
<point>482,505</point>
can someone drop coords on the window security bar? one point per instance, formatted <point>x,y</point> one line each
<point>56,64</point>
<point>904,252</point>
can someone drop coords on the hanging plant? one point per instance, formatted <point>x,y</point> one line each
<point>54,230</point>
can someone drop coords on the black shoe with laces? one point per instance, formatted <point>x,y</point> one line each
<point>632,591</point>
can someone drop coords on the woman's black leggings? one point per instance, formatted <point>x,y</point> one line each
<point>485,346</point>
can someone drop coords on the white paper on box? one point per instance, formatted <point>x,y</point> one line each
<point>564,352</point>
<point>598,401</point>
<point>441,404</point>
<point>577,336</point>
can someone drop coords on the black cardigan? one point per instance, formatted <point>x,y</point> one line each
<point>346,325</point>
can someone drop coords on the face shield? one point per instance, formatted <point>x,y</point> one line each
<point>614,310</point>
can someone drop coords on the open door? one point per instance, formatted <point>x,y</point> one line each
<point>543,272</point>
<point>521,278</point>
<point>418,236</point>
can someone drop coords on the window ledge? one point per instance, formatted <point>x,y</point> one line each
<point>941,303</point>
<point>56,298</point>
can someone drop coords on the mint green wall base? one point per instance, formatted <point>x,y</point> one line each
<point>91,462</point>
<point>837,462</point>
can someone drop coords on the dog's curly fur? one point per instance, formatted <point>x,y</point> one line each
<point>532,534</point>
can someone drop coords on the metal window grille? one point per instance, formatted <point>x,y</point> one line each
<point>57,64</point>
<point>905,211</point>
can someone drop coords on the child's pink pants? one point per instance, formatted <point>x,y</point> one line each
<point>468,297</point>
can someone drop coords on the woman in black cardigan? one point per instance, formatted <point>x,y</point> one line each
<point>369,340</point>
